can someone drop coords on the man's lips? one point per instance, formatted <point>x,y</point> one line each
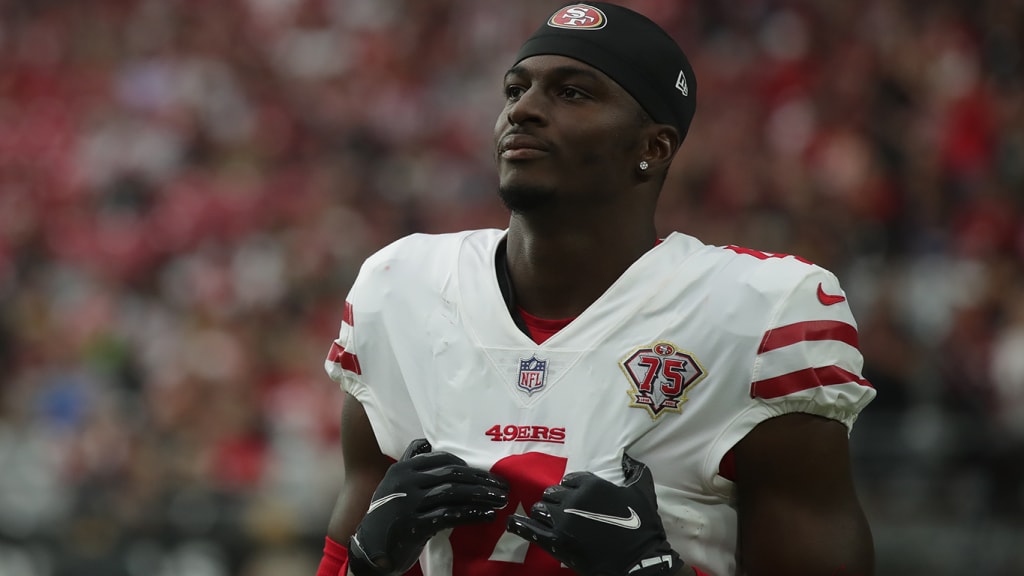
<point>521,147</point>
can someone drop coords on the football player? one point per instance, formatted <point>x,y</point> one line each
<point>578,393</point>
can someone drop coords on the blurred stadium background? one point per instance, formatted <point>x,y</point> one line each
<point>188,187</point>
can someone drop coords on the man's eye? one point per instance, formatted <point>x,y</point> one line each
<point>572,93</point>
<point>513,91</point>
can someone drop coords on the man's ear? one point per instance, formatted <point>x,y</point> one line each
<point>660,147</point>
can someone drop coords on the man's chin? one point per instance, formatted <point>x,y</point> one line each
<point>524,198</point>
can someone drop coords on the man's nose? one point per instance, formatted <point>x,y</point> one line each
<point>529,107</point>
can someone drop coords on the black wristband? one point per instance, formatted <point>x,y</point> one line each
<point>667,563</point>
<point>358,564</point>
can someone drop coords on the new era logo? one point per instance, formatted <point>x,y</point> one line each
<point>681,83</point>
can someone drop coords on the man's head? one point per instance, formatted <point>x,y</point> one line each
<point>594,94</point>
<point>630,49</point>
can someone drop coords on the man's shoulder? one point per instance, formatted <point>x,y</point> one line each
<point>412,270</point>
<point>766,272</point>
<point>786,287</point>
<point>422,251</point>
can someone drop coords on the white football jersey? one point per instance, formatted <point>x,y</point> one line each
<point>682,356</point>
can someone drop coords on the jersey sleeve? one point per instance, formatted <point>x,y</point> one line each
<point>362,360</point>
<point>807,359</point>
<point>342,363</point>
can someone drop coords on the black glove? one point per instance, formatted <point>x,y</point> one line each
<point>598,528</point>
<point>421,494</point>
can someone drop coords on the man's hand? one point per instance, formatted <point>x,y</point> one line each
<point>421,494</point>
<point>598,528</point>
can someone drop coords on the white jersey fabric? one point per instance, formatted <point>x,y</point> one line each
<point>685,353</point>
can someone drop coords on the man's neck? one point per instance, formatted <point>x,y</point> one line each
<point>559,271</point>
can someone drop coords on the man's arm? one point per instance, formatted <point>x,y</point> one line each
<point>422,494</point>
<point>798,508</point>
<point>365,466</point>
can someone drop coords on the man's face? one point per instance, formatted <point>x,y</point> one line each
<point>567,134</point>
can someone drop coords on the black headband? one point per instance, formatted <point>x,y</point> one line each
<point>630,49</point>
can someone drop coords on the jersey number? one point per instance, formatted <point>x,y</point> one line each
<point>488,548</point>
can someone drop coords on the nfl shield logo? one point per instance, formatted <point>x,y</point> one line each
<point>531,374</point>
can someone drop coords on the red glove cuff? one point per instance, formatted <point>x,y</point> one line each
<point>335,559</point>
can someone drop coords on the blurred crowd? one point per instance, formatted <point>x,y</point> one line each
<point>188,187</point>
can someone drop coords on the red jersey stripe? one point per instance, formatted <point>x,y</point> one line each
<point>348,361</point>
<point>346,314</point>
<point>810,330</point>
<point>803,380</point>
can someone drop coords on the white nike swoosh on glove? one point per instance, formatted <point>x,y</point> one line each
<point>631,522</point>
<point>382,501</point>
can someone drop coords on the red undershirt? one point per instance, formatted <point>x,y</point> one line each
<point>541,329</point>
